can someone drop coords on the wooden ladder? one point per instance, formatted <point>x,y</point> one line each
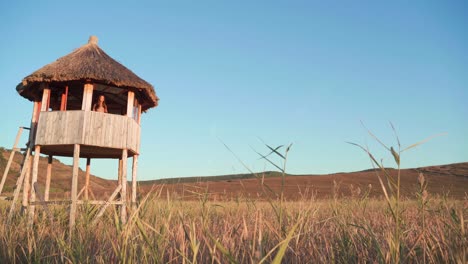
<point>24,168</point>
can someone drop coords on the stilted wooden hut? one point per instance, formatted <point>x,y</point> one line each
<point>64,124</point>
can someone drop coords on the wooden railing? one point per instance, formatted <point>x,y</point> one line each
<point>88,128</point>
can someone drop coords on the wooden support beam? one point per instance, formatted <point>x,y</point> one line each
<point>19,183</point>
<point>33,126</point>
<point>38,112</point>
<point>100,202</point>
<point>53,202</point>
<point>32,138</point>
<point>104,207</point>
<point>94,202</point>
<point>92,194</point>
<point>74,186</point>
<point>88,170</point>
<point>10,159</point>
<point>48,100</point>
<point>119,171</point>
<point>81,192</point>
<point>26,184</point>
<point>130,102</point>
<point>63,102</point>
<point>45,100</point>
<point>123,198</point>
<point>134,182</point>
<point>35,171</point>
<point>43,106</point>
<point>42,202</point>
<point>87,97</point>
<point>48,178</point>
<point>19,149</point>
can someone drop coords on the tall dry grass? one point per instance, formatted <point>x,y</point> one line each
<point>168,229</point>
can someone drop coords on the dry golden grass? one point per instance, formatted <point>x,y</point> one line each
<point>166,228</point>
<point>169,230</point>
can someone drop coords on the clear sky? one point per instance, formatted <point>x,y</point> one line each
<point>301,72</point>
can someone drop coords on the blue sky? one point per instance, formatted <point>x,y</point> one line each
<point>301,72</point>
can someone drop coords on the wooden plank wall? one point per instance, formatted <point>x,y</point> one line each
<point>133,135</point>
<point>101,129</point>
<point>57,128</point>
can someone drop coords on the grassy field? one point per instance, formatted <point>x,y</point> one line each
<point>165,229</point>
<point>404,223</point>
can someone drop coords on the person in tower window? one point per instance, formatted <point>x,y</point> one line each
<point>100,105</point>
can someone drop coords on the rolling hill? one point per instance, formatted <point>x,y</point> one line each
<point>450,180</point>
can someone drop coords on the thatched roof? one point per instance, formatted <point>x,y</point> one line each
<point>89,63</point>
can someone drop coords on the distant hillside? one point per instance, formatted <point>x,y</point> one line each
<point>61,176</point>
<point>195,179</point>
<point>450,180</point>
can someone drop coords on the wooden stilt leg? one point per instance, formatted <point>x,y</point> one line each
<point>48,176</point>
<point>123,208</point>
<point>88,168</point>
<point>35,168</point>
<point>74,187</point>
<point>19,184</point>
<point>120,171</point>
<point>26,186</point>
<point>12,154</point>
<point>134,181</point>
<point>32,137</point>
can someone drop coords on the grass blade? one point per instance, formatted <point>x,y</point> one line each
<point>424,141</point>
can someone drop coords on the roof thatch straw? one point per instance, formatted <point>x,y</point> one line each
<point>89,63</point>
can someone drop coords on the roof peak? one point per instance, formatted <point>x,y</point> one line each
<point>93,40</point>
<point>89,62</point>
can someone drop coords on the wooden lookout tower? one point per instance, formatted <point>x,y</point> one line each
<point>65,123</point>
